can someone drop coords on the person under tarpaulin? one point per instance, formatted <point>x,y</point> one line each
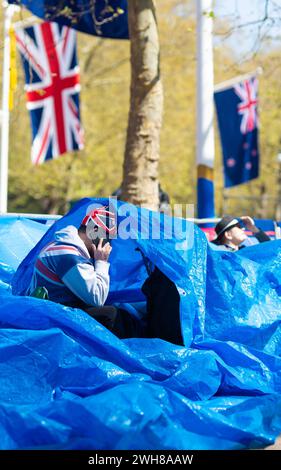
<point>74,270</point>
<point>231,234</point>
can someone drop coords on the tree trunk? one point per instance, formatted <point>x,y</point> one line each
<point>140,169</point>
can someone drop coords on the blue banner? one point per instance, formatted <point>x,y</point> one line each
<point>238,125</point>
<point>106,18</point>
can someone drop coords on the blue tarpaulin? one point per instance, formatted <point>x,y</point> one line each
<point>17,237</point>
<point>67,383</point>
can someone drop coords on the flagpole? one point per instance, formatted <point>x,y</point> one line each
<point>205,110</point>
<point>240,78</point>
<point>9,10</point>
<point>30,21</point>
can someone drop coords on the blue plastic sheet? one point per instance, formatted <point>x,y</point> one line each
<point>17,237</point>
<point>67,383</point>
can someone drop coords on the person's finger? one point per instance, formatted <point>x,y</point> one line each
<point>100,243</point>
<point>93,251</point>
<point>107,253</point>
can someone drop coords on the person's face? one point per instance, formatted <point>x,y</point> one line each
<point>96,233</point>
<point>235,235</point>
<point>90,243</point>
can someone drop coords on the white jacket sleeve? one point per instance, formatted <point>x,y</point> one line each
<point>90,284</point>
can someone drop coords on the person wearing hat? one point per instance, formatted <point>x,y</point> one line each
<point>231,234</point>
<point>74,269</point>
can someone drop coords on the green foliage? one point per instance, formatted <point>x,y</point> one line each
<point>105,80</point>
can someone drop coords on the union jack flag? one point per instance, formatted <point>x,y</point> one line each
<point>247,92</point>
<point>237,111</point>
<point>48,52</point>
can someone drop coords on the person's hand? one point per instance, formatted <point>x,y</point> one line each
<point>100,252</point>
<point>249,223</point>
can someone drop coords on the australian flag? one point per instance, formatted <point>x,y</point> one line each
<point>237,112</point>
<point>105,18</point>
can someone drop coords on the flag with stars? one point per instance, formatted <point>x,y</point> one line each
<point>237,113</point>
